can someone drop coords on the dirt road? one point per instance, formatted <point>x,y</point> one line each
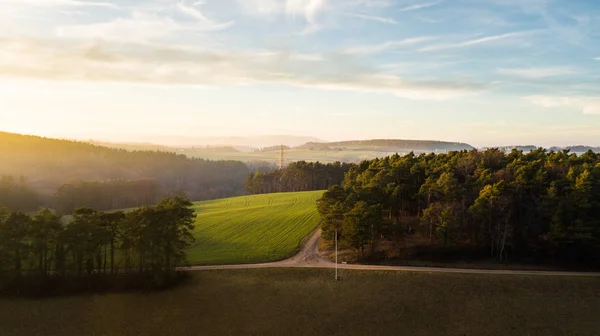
<point>309,257</point>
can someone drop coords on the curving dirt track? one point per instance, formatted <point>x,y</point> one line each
<point>309,257</point>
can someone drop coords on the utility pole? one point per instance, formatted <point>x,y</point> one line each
<point>281,158</point>
<point>281,164</point>
<point>336,256</point>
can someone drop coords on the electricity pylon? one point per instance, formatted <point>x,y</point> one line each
<point>281,158</point>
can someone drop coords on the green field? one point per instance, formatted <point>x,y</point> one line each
<point>252,229</point>
<point>309,302</point>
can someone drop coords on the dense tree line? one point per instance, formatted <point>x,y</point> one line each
<point>106,195</point>
<point>297,176</point>
<point>15,193</point>
<point>541,206</point>
<point>42,250</point>
<point>49,164</point>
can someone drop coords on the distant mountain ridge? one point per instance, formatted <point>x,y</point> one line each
<point>388,145</point>
<point>574,148</point>
<point>577,148</point>
<point>180,141</point>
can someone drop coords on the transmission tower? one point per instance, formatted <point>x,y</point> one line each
<point>281,158</point>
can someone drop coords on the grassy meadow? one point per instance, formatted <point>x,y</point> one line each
<point>310,302</point>
<point>252,229</point>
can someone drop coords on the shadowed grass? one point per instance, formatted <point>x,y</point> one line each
<point>309,302</point>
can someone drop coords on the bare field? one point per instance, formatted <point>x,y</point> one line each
<point>310,302</point>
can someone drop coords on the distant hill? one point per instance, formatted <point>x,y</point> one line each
<point>573,149</point>
<point>312,151</point>
<point>273,148</point>
<point>524,148</point>
<point>577,148</point>
<point>48,164</point>
<point>388,145</point>
<point>178,141</point>
<point>133,146</point>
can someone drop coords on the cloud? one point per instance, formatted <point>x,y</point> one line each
<point>262,7</point>
<point>597,58</point>
<point>61,3</point>
<point>308,8</point>
<point>373,18</point>
<point>140,27</point>
<point>586,104</point>
<point>527,6</point>
<point>206,22</point>
<point>378,48</point>
<point>155,64</point>
<point>372,3</point>
<point>145,25</point>
<point>420,6</point>
<point>473,42</point>
<point>536,73</point>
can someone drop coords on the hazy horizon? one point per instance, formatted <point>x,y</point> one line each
<point>486,73</point>
<point>254,141</point>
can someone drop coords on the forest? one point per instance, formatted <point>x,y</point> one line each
<point>107,195</point>
<point>42,255</point>
<point>16,194</point>
<point>541,207</point>
<point>47,165</point>
<point>297,176</point>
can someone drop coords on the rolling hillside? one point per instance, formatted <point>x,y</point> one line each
<point>251,229</point>
<point>388,145</point>
<point>46,164</point>
<point>327,152</point>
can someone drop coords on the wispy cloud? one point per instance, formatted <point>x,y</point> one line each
<point>371,3</point>
<point>528,6</point>
<point>145,25</point>
<point>197,14</point>
<point>155,64</point>
<point>420,6</point>
<point>588,105</point>
<point>373,18</point>
<point>536,73</point>
<point>62,3</point>
<point>597,58</point>
<point>472,42</point>
<point>308,8</point>
<point>378,48</point>
<point>262,7</point>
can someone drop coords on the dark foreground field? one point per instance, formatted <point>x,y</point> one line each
<point>309,302</point>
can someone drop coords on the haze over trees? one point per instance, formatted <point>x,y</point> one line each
<point>16,194</point>
<point>42,254</point>
<point>297,176</point>
<point>48,165</point>
<point>540,206</point>
<point>106,195</point>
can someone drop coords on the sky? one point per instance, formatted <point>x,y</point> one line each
<point>485,72</point>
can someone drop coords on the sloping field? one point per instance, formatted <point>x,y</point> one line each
<point>252,229</point>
